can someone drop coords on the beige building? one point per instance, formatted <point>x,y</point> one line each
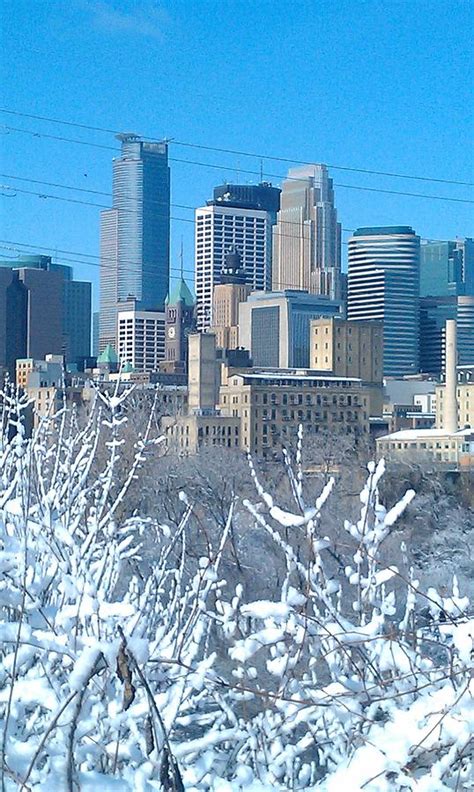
<point>204,424</point>
<point>225,313</point>
<point>189,433</point>
<point>446,449</point>
<point>271,406</point>
<point>347,349</point>
<point>465,403</point>
<point>350,349</point>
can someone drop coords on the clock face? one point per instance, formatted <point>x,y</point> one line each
<point>171,332</point>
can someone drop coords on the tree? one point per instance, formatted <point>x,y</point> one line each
<point>172,678</point>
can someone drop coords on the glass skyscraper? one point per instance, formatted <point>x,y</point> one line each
<point>135,234</point>
<point>384,283</point>
<point>446,268</point>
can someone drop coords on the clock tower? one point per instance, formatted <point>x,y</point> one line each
<point>179,322</point>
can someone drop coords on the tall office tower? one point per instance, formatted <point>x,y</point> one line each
<point>250,196</point>
<point>45,313</point>
<point>13,312</point>
<point>446,268</point>
<point>384,283</point>
<point>228,294</point>
<point>76,309</point>
<point>307,236</point>
<point>31,301</point>
<point>239,217</point>
<point>435,312</point>
<point>135,234</point>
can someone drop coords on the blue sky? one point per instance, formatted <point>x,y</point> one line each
<point>379,85</point>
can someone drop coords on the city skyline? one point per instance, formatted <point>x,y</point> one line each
<point>331,95</point>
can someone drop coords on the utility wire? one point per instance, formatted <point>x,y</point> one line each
<point>130,197</point>
<point>106,207</point>
<point>14,246</point>
<point>256,172</point>
<point>241,153</point>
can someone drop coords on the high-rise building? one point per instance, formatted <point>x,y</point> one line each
<point>45,312</point>
<point>250,196</point>
<point>228,294</point>
<point>13,325</point>
<point>141,338</point>
<point>76,309</point>
<point>275,326</point>
<point>446,268</point>
<point>434,313</point>
<point>135,233</point>
<point>239,217</point>
<point>307,236</point>
<point>383,283</point>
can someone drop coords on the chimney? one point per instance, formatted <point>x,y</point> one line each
<point>451,404</point>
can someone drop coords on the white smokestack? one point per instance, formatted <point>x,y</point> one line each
<point>451,404</point>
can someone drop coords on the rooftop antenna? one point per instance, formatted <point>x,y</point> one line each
<point>181,258</point>
<point>261,171</point>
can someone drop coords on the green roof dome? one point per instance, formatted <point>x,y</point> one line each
<point>127,367</point>
<point>108,355</point>
<point>180,293</point>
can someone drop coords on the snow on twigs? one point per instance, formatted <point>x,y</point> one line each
<point>113,679</point>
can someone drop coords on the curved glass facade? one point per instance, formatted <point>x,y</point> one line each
<point>383,283</point>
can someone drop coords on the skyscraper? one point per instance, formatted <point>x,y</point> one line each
<point>135,233</point>
<point>446,268</point>
<point>13,320</point>
<point>76,308</point>
<point>383,283</point>
<point>307,236</point>
<point>239,217</point>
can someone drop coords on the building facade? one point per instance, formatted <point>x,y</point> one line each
<point>135,233</point>
<point>141,339</point>
<point>447,268</point>
<point>272,405</point>
<point>383,284</point>
<point>227,296</point>
<point>465,325</point>
<point>13,320</point>
<point>275,326</point>
<point>347,349</point>
<point>76,308</point>
<point>251,196</point>
<point>231,224</point>
<point>307,236</point>
<point>350,349</point>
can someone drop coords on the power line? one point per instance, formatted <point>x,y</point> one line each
<point>241,153</point>
<point>14,246</point>
<point>279,176</point>
<point>128,197</point>
<point>47,196</point>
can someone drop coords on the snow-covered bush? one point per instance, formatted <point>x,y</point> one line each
<point>111,679</point>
